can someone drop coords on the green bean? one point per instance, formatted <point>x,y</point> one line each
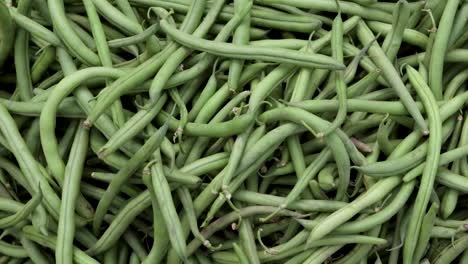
<point>50,242</point>
<point>23,213</point>
<point>33,250</point>
<point>134,125</point>
<point>128,81</point>
<point>72,41</point>
<point>6,30</point>
<point>21,54</point>
<point>425,235</point>
<point>240,254</point>
<point>222,129</point>
<point>120,223</point>
<point>131,238</point>
<point>65,233</point>
<point>241,36</point>
<point>231,217</point>
<point>247,52</point>
<point>340,84</point>
<point>451,252</point>
<point>410,36</point>
<point>452,180</point>
<point>263,18</point>
<point>301,205</point>
<point>161,78</point>
<point>433,157</point>
<point>439,48</point>
<point>40,66</point>
<point>135,39</point>
<point>12,250</point>
<point>345,7</point>
<point>336,145</point>
<point>47,119</point>
<point>322,254</point>
<point>34,28</point>
<point>29,166</point>
<point>392,76</point>
<point>247,238</point>
<point>140,156</point>
<point>172,222</point>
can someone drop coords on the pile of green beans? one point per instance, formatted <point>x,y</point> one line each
<point>244,131</point>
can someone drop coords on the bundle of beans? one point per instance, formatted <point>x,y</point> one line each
<point>245,131</point>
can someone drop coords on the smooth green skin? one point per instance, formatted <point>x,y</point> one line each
<point>300,205</point>
<point>340,84</point>
<point>432,161</point>
<point>459,23</point>
<point>66,33</point>
<point>135,243</point>
<point>48,114</point>
<point>132,127</point>
<point>67,108</point>
<point>6,33</point>
<point>439,48</point>
<point>374,194</point>
<point>297,247</point>
<point>160,246</point>
<point>253,53</point>
<point>12,250</point>
<point>104,54</point>
<point>265,18</point>
<point>221,129</point>
<point>330,6</point>
<point>387,168</point>
<point>361,251</point>
<point>452,251</point>
<point>168,210</point>
<point>410,36</point>
<point>120,223</point>
<point>34,28</point>
<point>452,180</point>
<point>425,234</point>
<point>445,158</point>
<point>186,200</point>
<point>21,214</point>
<point>145,70</point>
<point>233,217</point>
<point>241,256</point>
<point>42,63</point>
<point>205,95</point>
<point>134,208</point>
<point>391,75</point>
<point>241,37</point>
<point>294,147</point>
<point>85,100</point>
<point>21,56</point>
<point>15,173</point>
<point>134,39</point>
<point>70,192</point>
<point>200,144</point>
<point>143,154</point>
<point>113,15</point>
<point>322,254</point>
<point>464,141</point>
<point>29,166</point>
<point>392,42</point>
<point>371,221</point>
<point>455,84</point>
<point>176,59</point>
<point>336,145</point>
<point>50,241</point>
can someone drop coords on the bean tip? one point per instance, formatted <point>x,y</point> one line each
<point>87,124</point>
